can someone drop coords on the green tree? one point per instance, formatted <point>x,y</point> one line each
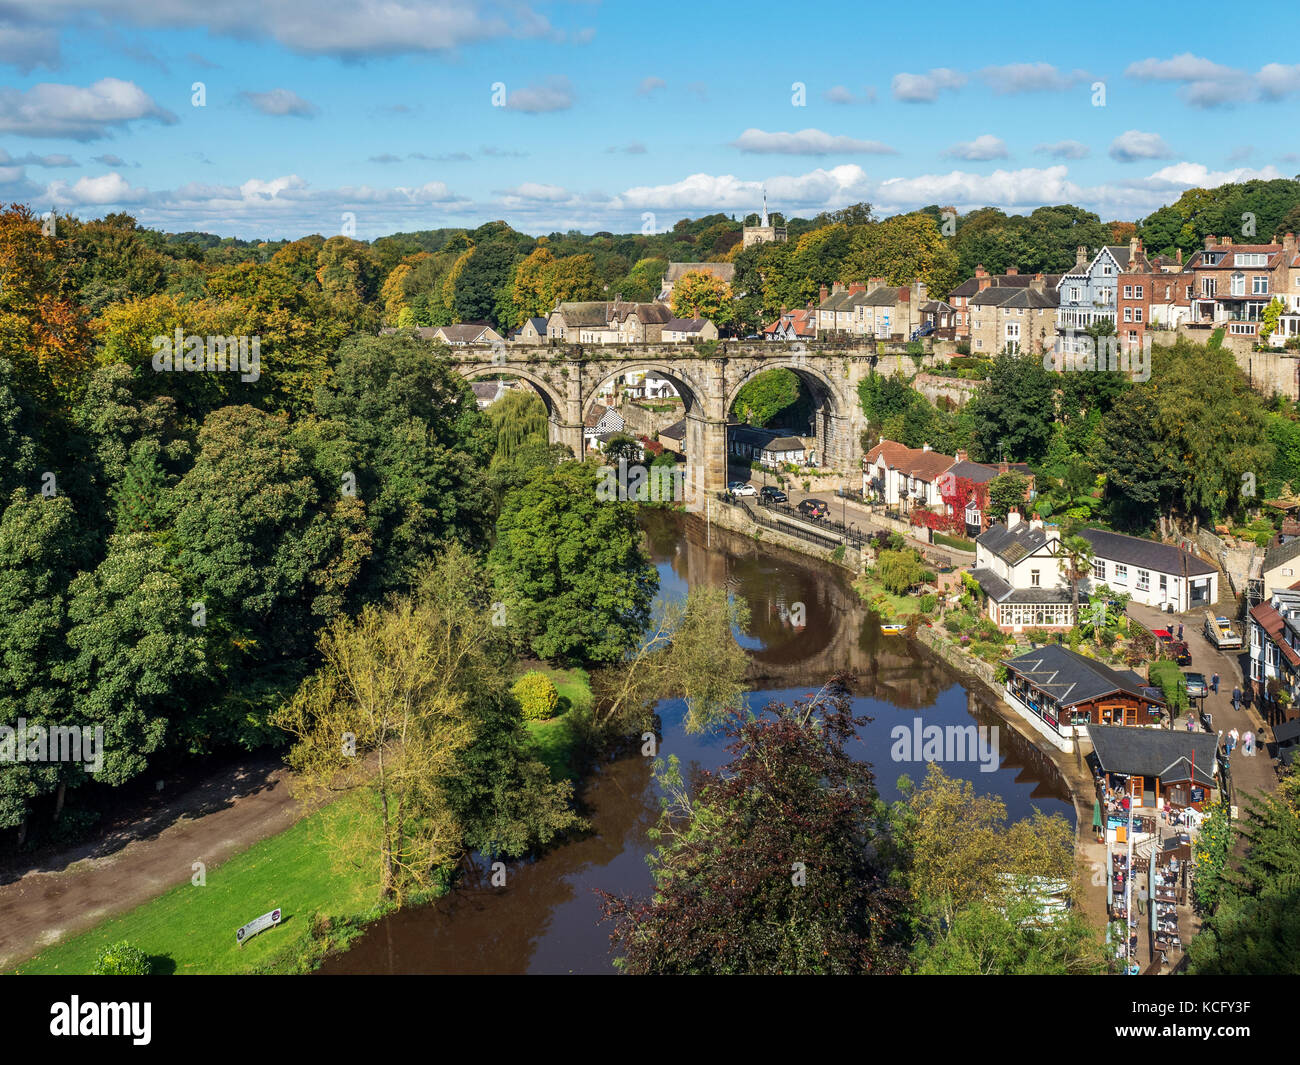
<point>1007,492</point>
<point>761,399</point>
<point>1014,412</point>
<point>570,568</point>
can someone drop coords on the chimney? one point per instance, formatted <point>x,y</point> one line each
<point>856,287</point>
<point>1134,249</point>
<point>985,282</point>
<point>1003,467</point>
<point>1038,283</point>
<point>1210,241</point>
<point>823,298</point>
<point>980,271</point>
<point>960,456</point>
<point>925,447</point>
<point>875,282</point>
<point>1289,244</point>
<point>1081,256</point>
<point>837,287</point>
<point>1225,242</point>
<point>1013,518</point>
<point>1180,257</point>
<point>1035,523</point>
<point>920,291</point>
<point>1013,271</point>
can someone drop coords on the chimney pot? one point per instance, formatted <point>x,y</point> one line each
<point>1013,271</point>
<point>980,271</point>
<point>1013,518</point>
<point>1211,240</point>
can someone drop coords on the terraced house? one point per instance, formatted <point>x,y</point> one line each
<point>1003,318</point>
<point>1233,284</point>
<point>1088,293</point>
<point>959,299</point>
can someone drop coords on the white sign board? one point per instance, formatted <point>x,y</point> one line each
<point>261,924</point>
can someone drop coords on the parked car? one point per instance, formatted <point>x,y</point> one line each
<point>814,508</point>
<point>1174,648</point>
<point>770,494</point>
<point>922,331</point>
<point>1196,685</point>
<point>741,488</point>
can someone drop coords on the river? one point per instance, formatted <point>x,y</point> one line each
<point>546,918</point>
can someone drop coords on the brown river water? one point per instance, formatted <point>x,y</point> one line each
<point>546,919</point>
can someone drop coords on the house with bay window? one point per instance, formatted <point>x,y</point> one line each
<point>1233,283</point>
<point>1275,646</point>
<point>1019,568</point>
<point>1159,575</point>
<point>1060,693</point>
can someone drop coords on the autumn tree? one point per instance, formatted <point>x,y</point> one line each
<point>698,294</point>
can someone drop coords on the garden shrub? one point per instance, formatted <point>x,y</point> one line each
<point>537,696</point>
<point>122,959</point>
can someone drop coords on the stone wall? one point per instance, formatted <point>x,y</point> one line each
<point>1267,371</point>
<point>642,422</point>
<point>957,389</point>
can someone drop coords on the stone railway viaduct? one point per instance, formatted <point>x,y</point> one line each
<point>708,377</point>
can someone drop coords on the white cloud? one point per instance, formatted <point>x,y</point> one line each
<point>838,185</point>
<point>82,114</point>
<point>96,191</point>
<point>56,159</point>
<point>1003,188</point>
<point>1064,150</point>
<point>1205,83</point>
<point>838,94</point>
<point>531,190</point>
<point>1029,77</point>
<point>349,29</point>
<point>982,148</point>
<point>281,103</point>
<point>28,47</point>
<point>806,142</point>
<point>925,88</point>
<point>649,85</point>
<point>556,94</point>
<point>1133,144</point>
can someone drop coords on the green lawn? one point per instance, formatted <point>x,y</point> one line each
<point>553,740</point>
<point>954,541</point>
<point>192,929</point>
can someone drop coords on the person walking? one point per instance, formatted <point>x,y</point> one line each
<point>1236,698</point>
<point>1233,738</point>
<point>1214,684</point>
<point>1248,744</point>
<point>1180,632</point>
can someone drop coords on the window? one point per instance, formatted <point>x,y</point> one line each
<point>1207,287</point>
<point>1144,580</point>
<point>1128,314</point>
<point>1137,292</point>
<point>1241,328</point>
<point>1238,284</point>
<point>1128,292</point>
<point>1013,330</point>
<point>1121,573</point>
<point>1033,578</point>
<point>1259,285</point>
<point>1137,314</point>
<point>1099,569</point>
<point>1250,258</point>
<point>1074,293</point>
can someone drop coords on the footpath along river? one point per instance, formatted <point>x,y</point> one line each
<point>547,917</point>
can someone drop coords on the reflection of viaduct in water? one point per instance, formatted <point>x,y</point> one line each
<point>839,634</point>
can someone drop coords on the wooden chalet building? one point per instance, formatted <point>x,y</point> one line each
<point>1155,767</point>
<point>1061,693</point>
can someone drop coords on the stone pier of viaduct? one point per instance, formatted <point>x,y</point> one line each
<point>708,377</point>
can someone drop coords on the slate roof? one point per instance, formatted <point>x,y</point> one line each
<point>676,431</point>
<point>1155,752</point>
<point>1001,592</point>
<point>539,324</point>
<point>647,313</point>
<point>1281,554</point>
<point>485,390</point>
<point>886,296</point>
<point>975,472</point>
<point>1146,554</point>
<point>837,301</point>
<point>972,284</point>
<point>1070,678</point>
<point>1013,297</point>
<point>1012,545</point>
<point>685,325</point>
<point>722,271</point>
<point>588,313</point>
<point>1287,732</point>
<point>463,334</point>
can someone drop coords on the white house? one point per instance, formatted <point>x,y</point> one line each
<point>902,476</point>
<point>600,421</point>
<point>1158,575</point>
<point>1020,569</point>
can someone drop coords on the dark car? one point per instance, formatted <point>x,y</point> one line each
<point>773,495</point>
<point>814,508</point>
<point>922,331</point>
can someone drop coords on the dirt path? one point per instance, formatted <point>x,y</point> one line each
<point>139,859</point>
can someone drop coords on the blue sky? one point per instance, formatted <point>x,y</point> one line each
<point>621,115</point>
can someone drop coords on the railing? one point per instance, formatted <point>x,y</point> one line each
<point>847,534</point>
